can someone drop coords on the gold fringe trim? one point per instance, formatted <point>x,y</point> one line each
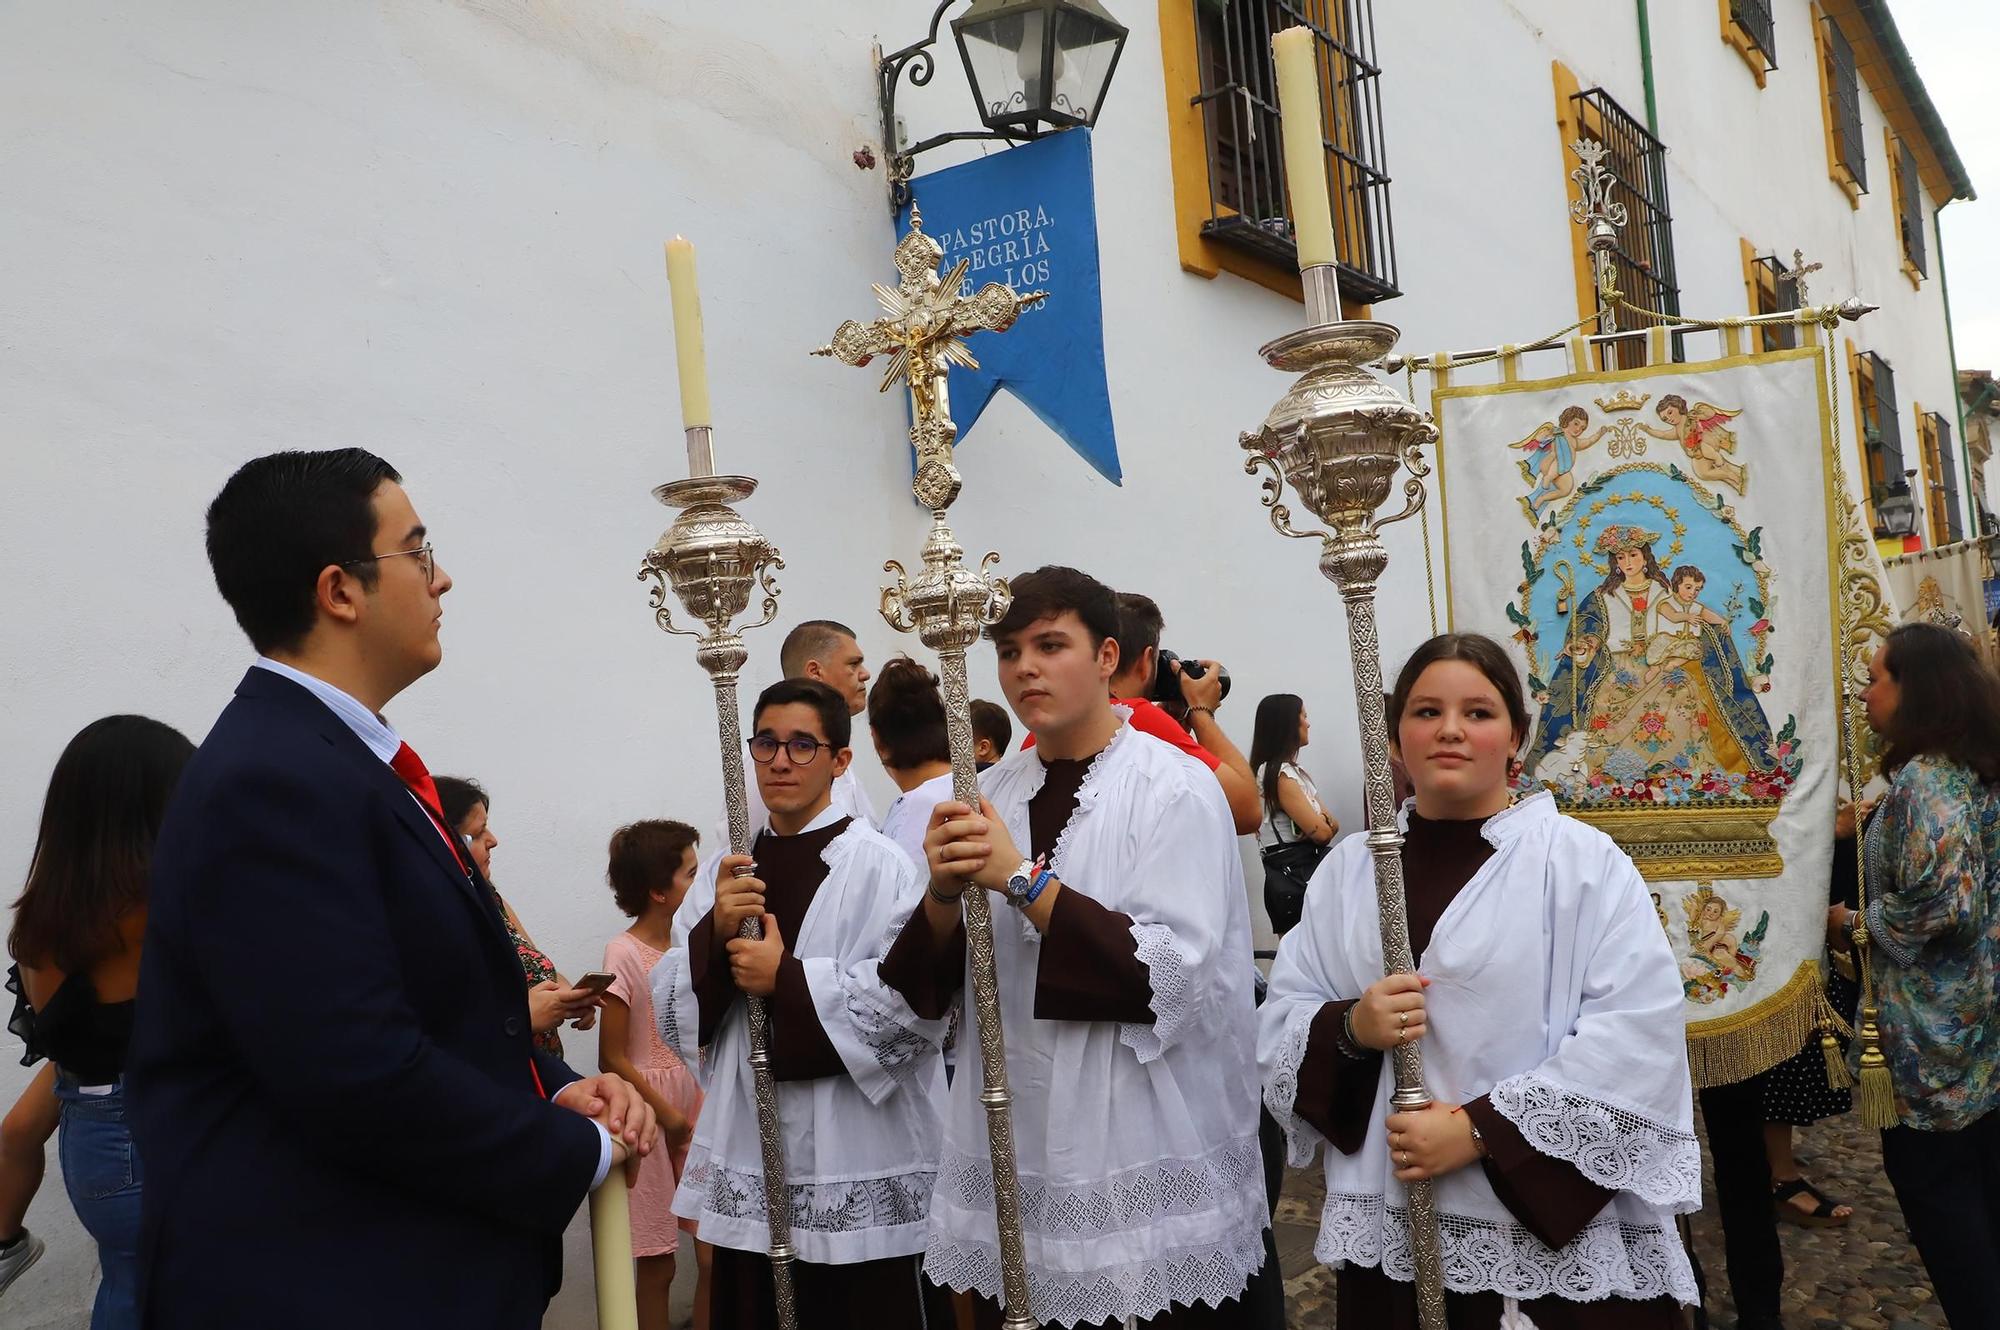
<point>1735,1048</point>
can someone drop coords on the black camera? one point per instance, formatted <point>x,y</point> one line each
<point>1166,688</point>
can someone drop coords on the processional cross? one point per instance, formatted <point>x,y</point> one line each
<point>924,319</point>
<point>1797,276</point>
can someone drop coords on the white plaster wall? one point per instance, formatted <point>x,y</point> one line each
<point>434,230</point>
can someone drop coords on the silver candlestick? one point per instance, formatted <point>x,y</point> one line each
<point>1339,437</point>
<point>711,559</point>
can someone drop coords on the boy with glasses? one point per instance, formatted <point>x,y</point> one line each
<point>859,1077</point>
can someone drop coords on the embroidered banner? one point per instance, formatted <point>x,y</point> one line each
<point>1028,217</point>
<point>1658,548</point>
<point>1944,586</point>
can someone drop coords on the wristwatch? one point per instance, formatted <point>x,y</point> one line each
<point>1027,882</point>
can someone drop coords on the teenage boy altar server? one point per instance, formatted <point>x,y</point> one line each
<point>860,1078</point>
<point>1124,976</point>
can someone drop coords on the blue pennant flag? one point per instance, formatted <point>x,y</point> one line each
<point>1028,217</point>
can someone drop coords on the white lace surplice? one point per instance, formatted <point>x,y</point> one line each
<point>861,1149</point>
<point>1136,1144</point>
<point>1554,991</point>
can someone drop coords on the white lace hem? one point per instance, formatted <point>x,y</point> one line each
<point>847,1206</point>
<point>1609,1259</point>
<point>1167,972</point>
<point>1212,1273</point>
<point>1281,1087</point>
<point>1613,1147</point>
<point>1226,1182</point>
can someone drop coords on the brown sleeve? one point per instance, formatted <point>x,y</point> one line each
<point>1336,1092</point>
<point>708,971</point>
<point>1090,968</point>
<point>800,1050</point>
<point>926,969</point>
<point>1549,1196</point>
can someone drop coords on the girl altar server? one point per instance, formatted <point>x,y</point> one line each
<point>1560,1139</point>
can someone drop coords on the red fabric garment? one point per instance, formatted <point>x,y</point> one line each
<point>1148,717</point>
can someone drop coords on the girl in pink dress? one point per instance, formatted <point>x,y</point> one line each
<point>652,864</point>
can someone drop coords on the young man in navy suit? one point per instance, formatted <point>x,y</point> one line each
<point>331,1079</point>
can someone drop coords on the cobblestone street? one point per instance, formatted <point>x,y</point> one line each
<point>1865,1275</point>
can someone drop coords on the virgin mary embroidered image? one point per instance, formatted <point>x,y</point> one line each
<point>1651,680</point>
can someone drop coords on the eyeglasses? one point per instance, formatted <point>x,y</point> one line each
<point>801,748</point>
<point>425,560</point>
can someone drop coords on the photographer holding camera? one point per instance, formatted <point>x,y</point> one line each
<point>1148,676</point>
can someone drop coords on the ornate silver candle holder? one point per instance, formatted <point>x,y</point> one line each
<point>712,559</point>
<point>1339,438</point>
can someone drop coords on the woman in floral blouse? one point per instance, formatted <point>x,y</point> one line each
<point>1933,897</point>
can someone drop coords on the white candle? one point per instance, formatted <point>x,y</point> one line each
<point>1299,108</point>
<point>687,334</point>
<point>611,1245</point>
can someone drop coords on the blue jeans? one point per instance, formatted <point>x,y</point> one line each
<point>101,1171</point>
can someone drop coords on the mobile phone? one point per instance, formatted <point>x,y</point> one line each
<point>596,981</point>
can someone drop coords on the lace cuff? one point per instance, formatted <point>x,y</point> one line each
<point>888,1036</point>
<point>1281,1086</point>
<point>1173,997</point>
<point>673,994</point>
<point>1612,1147</point>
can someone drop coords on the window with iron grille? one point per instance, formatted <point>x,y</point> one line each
<point>1754,18</point>
<point>1777,292</point>
<point>1248,204</point>
<point>1942,470</point>
<point>1881,431</point>
<point>1843,90</point>
<point>1644,256</point>
<point>1910,204</point>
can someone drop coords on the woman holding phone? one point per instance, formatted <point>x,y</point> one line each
<point>551,998</point>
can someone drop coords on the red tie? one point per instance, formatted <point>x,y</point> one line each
<point>417,776</point>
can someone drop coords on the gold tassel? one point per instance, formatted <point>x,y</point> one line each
<point>1831,1027</point>
<point>1878,1090</point>
<point>1837,1074</point>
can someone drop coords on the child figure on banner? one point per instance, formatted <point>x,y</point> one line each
<point>1551,459</point>
<point>1704,435</point>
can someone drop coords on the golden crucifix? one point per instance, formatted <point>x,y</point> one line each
<point>924,318</point>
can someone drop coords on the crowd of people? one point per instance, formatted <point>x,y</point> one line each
<point>305,1064</point>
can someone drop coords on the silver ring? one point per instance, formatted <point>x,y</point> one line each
<point>1406,1158</point>
<point>1402,1036</point>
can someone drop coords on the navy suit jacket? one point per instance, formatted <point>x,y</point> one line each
<point>331,1082</point>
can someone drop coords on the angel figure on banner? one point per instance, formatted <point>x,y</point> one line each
<point>1551,459</point>
<point>1717,957</point>
<point>1703,432</point>
<point>1649,690</point>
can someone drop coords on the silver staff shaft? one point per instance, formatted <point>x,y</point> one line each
<point>994,1095</point>
<point>711,559</point>
<point>1339,438</point>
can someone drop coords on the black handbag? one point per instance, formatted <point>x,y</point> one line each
<point>1288,866</point>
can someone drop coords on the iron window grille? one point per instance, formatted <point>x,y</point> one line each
<point>1910,196</point>
<point>1644,255</point>
<point>1843,88</point>
<point>1249,208</point>
<point>1777,292</point>
<point>1754,18</point>
<point>1881,432</point>
<point>1949,526</point>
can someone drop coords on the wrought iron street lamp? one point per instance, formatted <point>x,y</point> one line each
<point>1035,66</point>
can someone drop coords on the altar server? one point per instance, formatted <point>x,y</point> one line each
<point>1124,976</point>
<point>1560,1141</point>
<point>858,1074</point>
